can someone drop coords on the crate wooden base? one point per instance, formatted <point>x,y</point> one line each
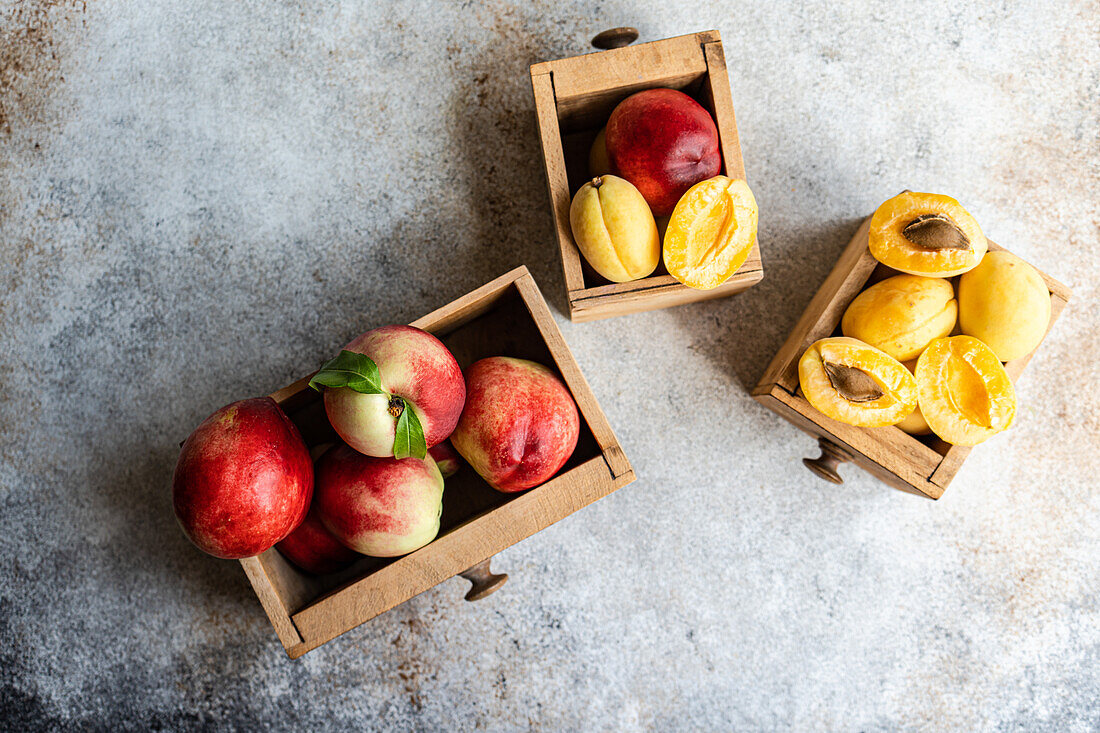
<point>509,317</point>
<point>573,99</point>
<point>920,466</point>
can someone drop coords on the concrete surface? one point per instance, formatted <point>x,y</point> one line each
<point>199,201</point>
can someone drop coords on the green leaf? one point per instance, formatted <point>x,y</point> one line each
<point>409,436</point>
<point>351,370</point>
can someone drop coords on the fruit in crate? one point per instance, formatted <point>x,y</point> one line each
<point>664,142</point>
<point>314,549</point>
<point>394,391</point>
<point>243,480</point>
<point>964,392</point>
<point>855,383</point>
<point>914,424</point>
<point>711,232</point>
<point>598,164</point>
<point>520,424</point>
<point>1005,303</point>
<point>446,457</point>
<point>902,314</point>
<point>614,229</point>
<point>383,507</point>
<point>926,234</point>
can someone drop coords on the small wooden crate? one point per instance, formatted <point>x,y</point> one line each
<point>573,99</point>
<point>924,465</point>
<point>509,317</point>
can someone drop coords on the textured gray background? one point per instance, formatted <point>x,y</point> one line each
<point>199,201</point>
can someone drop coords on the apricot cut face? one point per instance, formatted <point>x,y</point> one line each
<point>1004,303</point>
<point>926,234</point>
<point>855,383</point>
<point>964,392</point>
<point>902,314</point>
<point>711,232</point>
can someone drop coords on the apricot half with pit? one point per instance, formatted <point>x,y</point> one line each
<point>902,314</point>
<point>964,392</point>
<point>856,383</point>
<point>926,234</point>
<point>614,229</point>
<point>1005,303</point>
<point>711,232</point>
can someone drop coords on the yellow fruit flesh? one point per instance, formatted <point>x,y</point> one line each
<point>710,233</point>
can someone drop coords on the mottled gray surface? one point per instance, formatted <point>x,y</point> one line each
<point>199,201</point>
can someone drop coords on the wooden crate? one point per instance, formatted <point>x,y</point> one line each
<point>573,99</point>
<point>921,465</point>
<point>509,317</point>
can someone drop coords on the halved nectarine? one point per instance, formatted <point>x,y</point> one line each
<point>964,392</point>
<point>710,233</point>
<point>926,234</point>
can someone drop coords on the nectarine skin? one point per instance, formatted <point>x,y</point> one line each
<point>243,480</point>
<point>383,507</point>
<point>664,142</point>
<point>446,457</point>
<point>520,424</point>
<point>415,366</point>
<point>313,548</point>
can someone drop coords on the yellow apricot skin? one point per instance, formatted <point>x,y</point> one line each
<point>902,314</point>
<point>890,245</point>
<point>598,162</point>
<point>1004,303</point>
<point>897,391</point>
<point>711,232</point>
<point>614,229</point>
<point>914,424</point>
<point>964,392</point>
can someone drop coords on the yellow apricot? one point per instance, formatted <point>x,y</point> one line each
<point>614,229</point>
<point>855,383</point>
<point>710,232</point>
<point>901,314</point>
<point>926,234</point>
<point>964,392</point>
<point>914,424</point>
<point>1005,303</point>
<point>598,163</point>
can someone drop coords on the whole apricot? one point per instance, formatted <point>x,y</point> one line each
<point>598,164</point>
<point>855,383</point>
<point>914,424</point>
<point>902,314</point>
<point>963,390</point>
<point>926,234</point>
<point>614,229</point>
<point>1005,303</point>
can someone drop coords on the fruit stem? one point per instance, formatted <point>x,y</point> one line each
<point>397,406</point>
<point>597,182</point>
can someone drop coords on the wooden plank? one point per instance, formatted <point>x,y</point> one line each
<point>557,181</point>
<point>462,310</point>
<point>717,89</point>
<point>825,310</point>
<point>272,603</point>
<point>899,453</point>
<point>784,410</point>
<point>571,373</point>
<point>460,549</point>
<point>666,295</point>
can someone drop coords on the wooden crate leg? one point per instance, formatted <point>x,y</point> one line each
<point>826,465</point>
<point>483,582</point>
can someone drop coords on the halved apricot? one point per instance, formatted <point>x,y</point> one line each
<point>964,392</point>
<point>711,232</point>
<point>926,234</point>
<point>855,383</point>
